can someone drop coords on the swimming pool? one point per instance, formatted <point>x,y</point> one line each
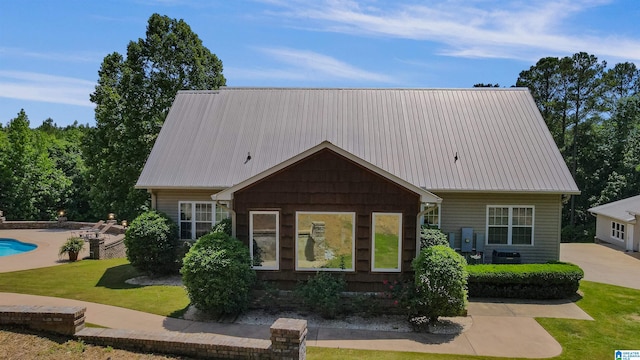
<point>12,247</point>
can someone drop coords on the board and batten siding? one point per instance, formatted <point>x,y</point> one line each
<point>470,210</point>
<point>167,200</point>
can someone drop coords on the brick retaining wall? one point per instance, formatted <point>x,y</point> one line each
<point>61,320</point>
<point>288,336</point>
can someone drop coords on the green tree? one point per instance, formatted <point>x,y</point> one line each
<point>31,188</point>
<point>132,99</point>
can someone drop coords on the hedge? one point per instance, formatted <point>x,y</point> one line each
<point>526,281</point>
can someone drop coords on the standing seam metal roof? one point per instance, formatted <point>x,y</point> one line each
<point>499,136</point>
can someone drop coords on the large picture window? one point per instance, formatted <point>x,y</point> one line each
<point>198,217</point>
<point>264,228</point>
<point>325,241</point>
<point>510,225</point>
<point>387,242</point>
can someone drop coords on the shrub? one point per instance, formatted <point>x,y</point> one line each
<point>526,281</point>
<point>432,237</point>
<point>224,226</point>
<point>321,294</point>
<point>152,244</point>
<point>218,275</point>
<point>440,283</point>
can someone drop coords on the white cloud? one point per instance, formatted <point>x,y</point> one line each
<point>519,29</point>
<point>47,88</point>
<point>303,65</point>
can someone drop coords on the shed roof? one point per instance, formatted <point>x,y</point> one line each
<point>624,210</point>
<point>482,139</point>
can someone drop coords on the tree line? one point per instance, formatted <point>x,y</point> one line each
<point>592,112</point>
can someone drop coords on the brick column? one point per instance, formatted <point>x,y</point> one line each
<point>289,339</point>
<point>96,248</point>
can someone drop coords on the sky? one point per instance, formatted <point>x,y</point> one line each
<point>51,51</point>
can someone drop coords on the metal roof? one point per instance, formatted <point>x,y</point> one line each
<point>623,210</point>
<point>498,137</point>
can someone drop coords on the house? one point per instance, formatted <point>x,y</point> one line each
<point>615,223</point>
<point>342,179</point>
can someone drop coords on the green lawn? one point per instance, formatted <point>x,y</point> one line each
<point>616,310</point>
<point>97,281</point>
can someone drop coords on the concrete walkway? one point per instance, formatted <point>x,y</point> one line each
<point>497,329</point>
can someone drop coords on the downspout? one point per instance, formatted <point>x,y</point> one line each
<point>427,208</point>
<point>233,216</point>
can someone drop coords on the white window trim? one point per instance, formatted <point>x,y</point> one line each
<point>373,243</point>
<point>193,203</point>
<point>277,214</point>
<point>353,241</point>
<point>510,225</point>
<point>617,230</point>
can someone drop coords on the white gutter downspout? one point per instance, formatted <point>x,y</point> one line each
<point>233,215</point>
<point>427,208</point>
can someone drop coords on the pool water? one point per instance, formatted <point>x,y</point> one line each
<point>12,247</point>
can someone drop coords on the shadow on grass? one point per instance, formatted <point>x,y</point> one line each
<point>115,277</point>
<point>179,314</point>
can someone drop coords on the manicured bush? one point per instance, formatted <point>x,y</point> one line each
<point>321,293</point>
<point>526,281</point>
<point>432,237</point>
<point>218,275</point>
<point>440,283</point>
<point>152,244</point>
<point>224,226</point>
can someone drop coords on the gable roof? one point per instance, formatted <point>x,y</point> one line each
<point>624,210</point>
<point>425,196</point>
<point>497,135</point>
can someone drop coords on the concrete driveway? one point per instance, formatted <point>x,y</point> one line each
<point>604,264</point>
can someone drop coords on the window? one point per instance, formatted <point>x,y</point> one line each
<point>387,242</point>
<point>432,216</point>
<point>325,241</point>
<point>617,230</point>
<point>197,218</point>
<point>510,225</point>
<point>264,230</point>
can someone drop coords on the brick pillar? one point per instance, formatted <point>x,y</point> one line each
<point>289,339</point>
<point>96,248</point>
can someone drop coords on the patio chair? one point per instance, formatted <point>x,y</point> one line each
<point>97,233</point>
<point>83,230</point>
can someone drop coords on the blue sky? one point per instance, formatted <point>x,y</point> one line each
<point>51,51</point>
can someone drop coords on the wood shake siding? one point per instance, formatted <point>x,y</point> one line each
<point>470,210</point>
<point>328,182</point>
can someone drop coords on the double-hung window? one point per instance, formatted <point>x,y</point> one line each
<point>510,225</point>
<point>617,230</point>
<point>431,217</point>
<point>198,217</point>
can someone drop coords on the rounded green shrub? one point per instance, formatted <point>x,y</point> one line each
<point>218,275</point>
<point>321,293</point>
<point>440,283</point>
<point>432,237</point>
<point>152,244</point>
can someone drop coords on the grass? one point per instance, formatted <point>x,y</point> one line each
<point>101,282</point>
<point>615,309</point>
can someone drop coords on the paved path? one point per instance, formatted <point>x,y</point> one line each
<point>604,264</point>
<point>496,329</point>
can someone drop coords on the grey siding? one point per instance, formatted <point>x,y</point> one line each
<point>167,200</point>
<point>470,210</point>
